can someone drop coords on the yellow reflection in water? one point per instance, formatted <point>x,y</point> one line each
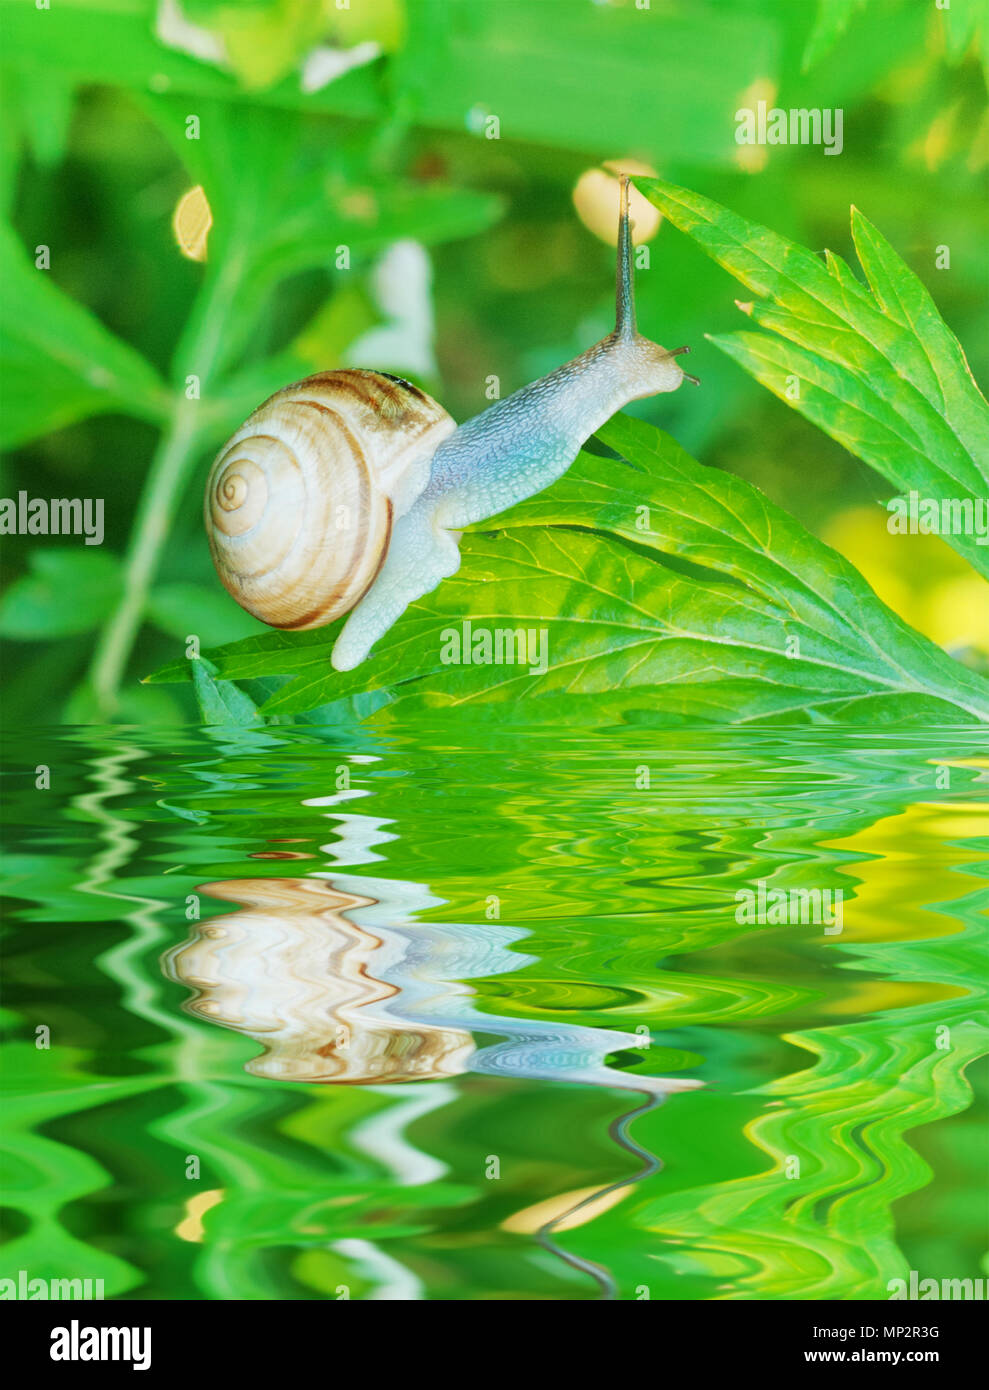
<point>191,1225</point>
<point>553,1211</point>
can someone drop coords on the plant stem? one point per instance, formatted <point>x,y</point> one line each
<point>174,459</point>
<point>170,467</point>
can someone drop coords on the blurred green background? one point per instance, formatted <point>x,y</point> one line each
<point>367,126</point>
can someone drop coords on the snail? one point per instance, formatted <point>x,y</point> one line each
<point>346,492</point>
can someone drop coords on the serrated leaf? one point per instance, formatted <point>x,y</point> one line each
<point>850,409</point>
<point>885,375</point>
<point>905,300</point>
<point>652,577</point>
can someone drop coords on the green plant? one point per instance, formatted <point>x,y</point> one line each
<point>874,365</point>
<point>665,584</point>
<point>266,178</point>
<point>97,105</point>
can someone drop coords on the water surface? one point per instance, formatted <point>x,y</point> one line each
<point>484,1015</point>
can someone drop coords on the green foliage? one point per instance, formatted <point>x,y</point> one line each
<point>65,592</point>
<point>683,588</point>
<point>879,371</point>
<point>181,609</point>
<point>458,62</point>
<point>98,351</point>
<point>220,702</point>
<point>833,18</point>
<point>284,203</point>
<point>59,363</point>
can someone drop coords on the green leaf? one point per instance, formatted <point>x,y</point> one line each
<point>877,368</point>
<point>45,337</point>
<point>284,200</point>
<point>65,592</point>
<point>263,42</point>
<point>533,66</point>
<point>221,702</point>
<point>40,109</point>
<point>833,18</point>
<point>961,22</point>
<point>659,585</point>
<point>82,707</point>
<point>183,609</point>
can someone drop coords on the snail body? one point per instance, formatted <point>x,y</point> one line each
<point>344,493</point>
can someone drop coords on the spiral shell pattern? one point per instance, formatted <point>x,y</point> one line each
<point>300,501</point>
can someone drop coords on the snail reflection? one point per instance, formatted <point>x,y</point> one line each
<point>293,971</point>
<point>337,982</point>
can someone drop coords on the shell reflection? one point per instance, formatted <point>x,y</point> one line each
<point>341,986</point>
<point>290,970</point>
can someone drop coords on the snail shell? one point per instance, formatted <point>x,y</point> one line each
<point>300,501</point>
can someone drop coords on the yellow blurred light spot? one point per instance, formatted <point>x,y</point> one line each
<point>531,1219</point>
<point>191,222</point>
<point>191,1225</point>
<point>920,577</point>
<point>384,22</point>
<point>595,197</point>
<point>937,141</point>
<point>752,159</point>
<point>762,89</point>
<point>903,82</point>
<point>359,203</point>
<point>956,612</point>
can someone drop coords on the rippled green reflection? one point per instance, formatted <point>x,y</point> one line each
<point>472,1016</point>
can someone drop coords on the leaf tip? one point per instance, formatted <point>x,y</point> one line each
<point>746,306</point>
